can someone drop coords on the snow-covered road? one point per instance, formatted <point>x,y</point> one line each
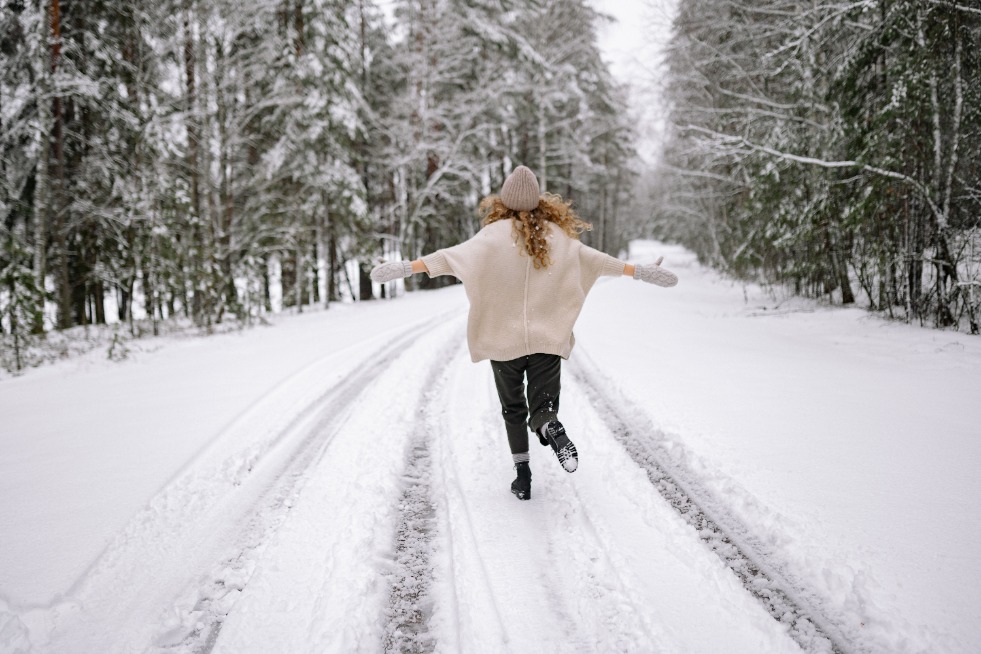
<point>339,483</point>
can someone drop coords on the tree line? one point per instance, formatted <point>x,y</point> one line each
<point>161,159</point>
<point>832,146</point>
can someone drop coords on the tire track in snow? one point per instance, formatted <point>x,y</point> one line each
<point>410,602</point>
<point>329,415</point>
<point>455,499</point>
<point>410,605</point>
<point>320,584</point>
<point>721,533</point>
<point>223,505</point>
<point>500,587</point>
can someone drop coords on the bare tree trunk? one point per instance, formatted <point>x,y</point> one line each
<point>42,191</point>
<point>214,307</point>
<point>123,307</point>
<point>315,270</point>
<point>99,302</point>
<point>333,264</point>
<point>227,199</point>
<point>601,245</point>
<point>193,137</point>
<point>350,286</point>
<point>14,326</point>
<point>618,239</point>
<point>847,296</point>
<point>266,295</point>
<point>327,234</point>
<point>59,205</point>
<point>193,143</point>
<point>542,147</point>
<point>298,279</point>
<point>365,291</point>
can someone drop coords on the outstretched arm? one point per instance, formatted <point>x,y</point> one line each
<point>393,270</point>
<point>652,273</point>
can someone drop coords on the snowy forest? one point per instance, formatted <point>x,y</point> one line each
<point>834,147</point>
<point>159,159</point>
<point>212,161</point>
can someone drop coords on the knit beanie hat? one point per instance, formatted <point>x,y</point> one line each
<point>520,190</point>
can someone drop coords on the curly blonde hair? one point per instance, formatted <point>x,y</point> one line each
<point>533,225</point>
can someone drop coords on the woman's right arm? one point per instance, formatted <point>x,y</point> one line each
<point>387,272</point>
<point>433,264</point>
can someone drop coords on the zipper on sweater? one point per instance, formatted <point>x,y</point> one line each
<point>527,277</point>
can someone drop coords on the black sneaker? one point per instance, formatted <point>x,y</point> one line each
<point>521,487</point>
<point>565,450</point>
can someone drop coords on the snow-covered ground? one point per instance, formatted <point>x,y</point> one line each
<point>339,482</point>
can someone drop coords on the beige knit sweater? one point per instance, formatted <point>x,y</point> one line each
<point>515,309</point>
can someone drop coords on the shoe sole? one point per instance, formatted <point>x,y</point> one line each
<point>521,495</point>
<point>571,462</point>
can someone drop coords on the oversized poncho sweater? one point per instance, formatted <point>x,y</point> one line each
<point>516,309</point>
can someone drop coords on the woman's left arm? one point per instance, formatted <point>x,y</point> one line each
<point>652,273</point>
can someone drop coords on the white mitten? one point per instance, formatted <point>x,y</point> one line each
<point>386,272</point>
<point>653,273</point>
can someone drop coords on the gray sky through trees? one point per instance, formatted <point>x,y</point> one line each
<point>632,44</point>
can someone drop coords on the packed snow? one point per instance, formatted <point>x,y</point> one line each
<point>339,482</point>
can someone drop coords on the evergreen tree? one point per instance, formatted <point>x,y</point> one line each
<point>176,158</point>
<point>824,145</point>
